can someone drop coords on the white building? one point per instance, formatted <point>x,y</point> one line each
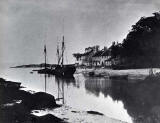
<point>85,59</point>
<point>94,57</point>
<point>102,58</point>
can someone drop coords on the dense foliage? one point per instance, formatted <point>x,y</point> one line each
<point>141,47</point>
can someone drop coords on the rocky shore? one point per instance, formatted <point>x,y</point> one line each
<point>16,105</point>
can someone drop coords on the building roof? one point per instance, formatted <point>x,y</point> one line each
<point>98,53</point>
<point>78,55</point>
<point>106,53</point>
<point>87,53</point>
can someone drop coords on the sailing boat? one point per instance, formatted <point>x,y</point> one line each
<point>60,69</point>
<point>63,70</point>
<point>45,70</point>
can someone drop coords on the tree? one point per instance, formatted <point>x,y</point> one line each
<point>141,43</point>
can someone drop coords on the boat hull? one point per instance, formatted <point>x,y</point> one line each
<point>45,71</point>
<point>65,71</point>
<point>60,71</point>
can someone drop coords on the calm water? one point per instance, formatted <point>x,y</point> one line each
<point>115,99</point>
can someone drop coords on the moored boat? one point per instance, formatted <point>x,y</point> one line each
<point>64,71</point>
<point>60,69</point>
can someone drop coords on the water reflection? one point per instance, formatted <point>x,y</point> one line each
<point>86,94</point>
<point>45,79</point>
<point>112,98</point>
<point>141,99</point>
<point>97,85</point>
<point>60,84</point>
<point>67,81</point>
<point>46,76</point>
<point>80,93</point>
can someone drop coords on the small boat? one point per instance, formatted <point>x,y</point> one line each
<point>119,77</point>
<point>93,74</point>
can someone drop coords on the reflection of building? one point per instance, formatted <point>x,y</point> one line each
<point>94,57</point>
<point>98,85</point>
<point>141,99</point>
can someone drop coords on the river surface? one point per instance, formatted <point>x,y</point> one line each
<point>116,101</point>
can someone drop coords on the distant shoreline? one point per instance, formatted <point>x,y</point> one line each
<point>36,65</point>
<point>33,65</point>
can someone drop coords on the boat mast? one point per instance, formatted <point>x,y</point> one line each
<point>58,57</point>
<point>63,47</point>
<point>45,62</point>
<point>45,56</point>
<point>62,51</point>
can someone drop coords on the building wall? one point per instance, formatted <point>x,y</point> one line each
<point>101,61</point>
<point>95,61</point>
<point>88,58</point>
<point>81,61</point>
<point>105,60</point>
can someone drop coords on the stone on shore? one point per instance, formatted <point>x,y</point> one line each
<point>21,112</point>
<point>49,118</point>
<point>40,100</point>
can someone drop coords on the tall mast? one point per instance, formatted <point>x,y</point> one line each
<point>62,50</point>
<point>45,55</point>
<point>62,43</point>
<point>58,57</point>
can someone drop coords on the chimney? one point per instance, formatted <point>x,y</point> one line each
<point>97,48</point>
<point>105,48</point>
<point>157,15</point>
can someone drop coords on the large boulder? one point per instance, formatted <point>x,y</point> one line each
<point>40,100</point>
<point>49,118</point>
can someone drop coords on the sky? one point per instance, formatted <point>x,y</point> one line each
<point>26,25</point>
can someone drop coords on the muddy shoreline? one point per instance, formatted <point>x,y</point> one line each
<point>16,105</point>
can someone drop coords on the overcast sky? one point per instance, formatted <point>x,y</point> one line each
<point>26,24</point>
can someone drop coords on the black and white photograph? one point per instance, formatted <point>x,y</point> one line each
<point>79,61</point>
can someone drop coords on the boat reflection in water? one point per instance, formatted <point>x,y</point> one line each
<point>60,84</point>
<point>140,99</point>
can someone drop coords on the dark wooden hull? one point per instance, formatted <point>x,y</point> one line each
<point>65,71</point>
<point>45,71</point>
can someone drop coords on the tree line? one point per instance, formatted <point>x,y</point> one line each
<point>141,47</point>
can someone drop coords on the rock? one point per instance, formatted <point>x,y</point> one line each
<point>94,112</point>
<point>20,112</point>
<point>49,118</point>
<point>75,111</point>
<point>44,100</point>
<point>40,100</point>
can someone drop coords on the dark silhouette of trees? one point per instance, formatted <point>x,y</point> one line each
<point>141,47</point>
<point>116,49</point>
